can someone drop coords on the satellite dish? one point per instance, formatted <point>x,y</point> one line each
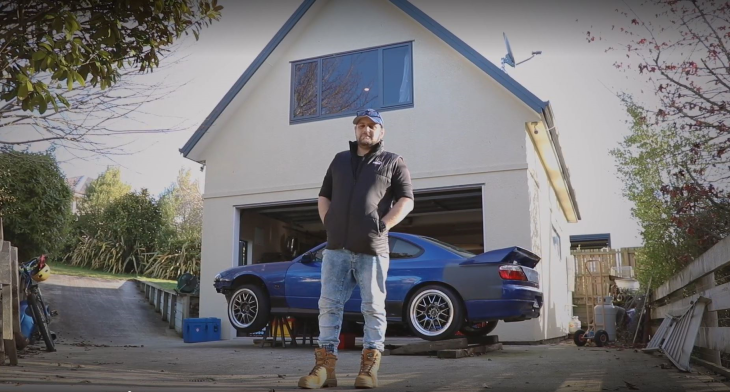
<point>509,58</point>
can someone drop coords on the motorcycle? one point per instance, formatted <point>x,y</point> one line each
<point>35,316</point>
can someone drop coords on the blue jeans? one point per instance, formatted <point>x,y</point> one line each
<point>341,270</point>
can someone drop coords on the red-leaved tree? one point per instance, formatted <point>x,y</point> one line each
<point>681,49</point>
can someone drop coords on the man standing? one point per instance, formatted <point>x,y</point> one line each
<point>365,192</point>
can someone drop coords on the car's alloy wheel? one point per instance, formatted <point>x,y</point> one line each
<point>434,313</point>
<point>243,308</point>
<point>248,308</point>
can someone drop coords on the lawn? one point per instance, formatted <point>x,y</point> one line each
<point>65,269</point>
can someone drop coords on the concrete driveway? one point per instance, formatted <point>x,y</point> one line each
<point>111,340</point>
<point>239,365</point>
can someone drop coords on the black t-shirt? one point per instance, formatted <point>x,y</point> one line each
<point>356,160</point>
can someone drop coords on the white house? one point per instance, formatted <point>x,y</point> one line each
<point>483,151</point>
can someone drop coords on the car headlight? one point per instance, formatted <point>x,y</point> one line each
<point>218,278</point>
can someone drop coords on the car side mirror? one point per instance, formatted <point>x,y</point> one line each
<point>307,258</point>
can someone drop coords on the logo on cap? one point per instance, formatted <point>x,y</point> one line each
<point>369,113</point>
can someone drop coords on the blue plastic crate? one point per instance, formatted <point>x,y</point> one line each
<point>214,330</point>
<point>201,330</point>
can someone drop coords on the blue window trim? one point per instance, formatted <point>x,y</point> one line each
<point>379,106</point>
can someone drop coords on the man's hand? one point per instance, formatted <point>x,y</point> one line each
<point>399,211</point>
<point>323,205</point>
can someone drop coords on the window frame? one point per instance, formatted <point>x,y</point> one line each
<point>420,253</point>
<point>318,60</point>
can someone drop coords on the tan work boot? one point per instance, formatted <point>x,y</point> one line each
<point>369,365</point>
<point>323,373</point>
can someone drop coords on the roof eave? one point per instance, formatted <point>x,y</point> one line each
<point>565,174</point>
<point>245,77</point>
<point>472,55</point>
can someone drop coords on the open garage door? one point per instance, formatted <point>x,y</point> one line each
<point>282,231</point>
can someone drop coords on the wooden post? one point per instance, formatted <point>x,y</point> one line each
<point>158,301</point>
<point>173,310</point>
<point>16,294</point>
<point>165,305</point>
<point>2,348</point>
<point>7,293</point>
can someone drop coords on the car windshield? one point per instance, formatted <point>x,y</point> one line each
<point>452,248</point>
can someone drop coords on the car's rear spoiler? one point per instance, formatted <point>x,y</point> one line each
<point>506,255</point>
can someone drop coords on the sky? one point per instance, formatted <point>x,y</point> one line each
<point>577,77</point>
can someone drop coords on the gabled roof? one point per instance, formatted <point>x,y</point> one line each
<point>250,71</point>
<point>79,184</point>
<point>542,108</point>
<point>426,21</point>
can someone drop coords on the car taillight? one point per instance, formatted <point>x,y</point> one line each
<point>512,272</point>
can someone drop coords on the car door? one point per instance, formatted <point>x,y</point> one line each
<point>302,284</point>
<point>303,280</point>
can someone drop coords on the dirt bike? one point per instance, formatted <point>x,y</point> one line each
<point>39,311</point>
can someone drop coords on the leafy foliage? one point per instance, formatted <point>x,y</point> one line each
<point>6,197</point>
<point>133,220</point>
<point>182,208</point>
<point>133,232</point>
<point>677,153</point>
<point>102,191</point>
<point>37,205</point>
<point>76,42</point>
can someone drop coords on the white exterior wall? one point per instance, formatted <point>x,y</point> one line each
<point>546,215</point>
<point>465,128</point>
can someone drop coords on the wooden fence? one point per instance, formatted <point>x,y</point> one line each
<point>594,270</point>
<point>10,297</point>
<point>699,277</point>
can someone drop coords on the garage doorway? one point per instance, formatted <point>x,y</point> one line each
<point>283,231</point>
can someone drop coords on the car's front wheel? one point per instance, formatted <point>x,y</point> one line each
<point>248,308</point>
<point>434,313</point>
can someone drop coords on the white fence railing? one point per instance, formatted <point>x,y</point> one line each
<point>669,299</point>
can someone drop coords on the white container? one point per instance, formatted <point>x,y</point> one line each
<point>574,325</point>
<point>610,311</point>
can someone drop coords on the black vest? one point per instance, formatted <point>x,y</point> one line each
<point>359,201</point>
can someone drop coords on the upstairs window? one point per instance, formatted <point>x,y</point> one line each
<point>339,85</point>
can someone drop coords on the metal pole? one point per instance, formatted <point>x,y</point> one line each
<point>603,299</point>
<point>638,322</point>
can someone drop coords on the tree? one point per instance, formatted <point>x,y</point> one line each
<point>645,159</point>
<point>89,125</point>
<point>681,52</point>
<point>5,196</point>
<point>182,208</point>
<point>43,43</point>
<point>134,220</point>
<point>102,191</point>
<point>40,207</point>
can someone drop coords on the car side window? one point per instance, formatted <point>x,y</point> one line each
<point>400,249</point>
<point>319,255</point>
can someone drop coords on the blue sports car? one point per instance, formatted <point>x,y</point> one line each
<point>435,288</point>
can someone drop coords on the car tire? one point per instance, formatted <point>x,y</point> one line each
<point>579,338</point>
<point>431,306</point>
<point>248,308</point>
<point>484,329</point>
<point>601,338</point>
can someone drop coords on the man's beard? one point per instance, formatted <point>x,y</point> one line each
<point>367,144</point>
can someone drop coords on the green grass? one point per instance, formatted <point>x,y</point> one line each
<point>65,269</point>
